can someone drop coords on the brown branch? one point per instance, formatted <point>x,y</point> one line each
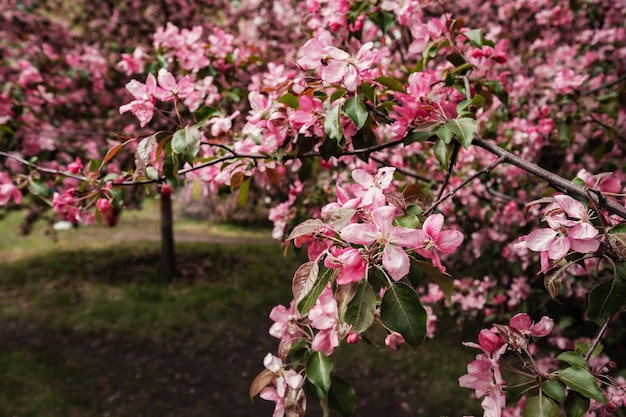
<point>596,340</point>
<point>551,178</point>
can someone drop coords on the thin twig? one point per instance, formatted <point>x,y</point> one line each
<point>596,340</point>
<point>44,169</point>
<point>463,184</point>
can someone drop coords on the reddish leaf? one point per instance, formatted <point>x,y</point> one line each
<point>345,294</point>
<point>307,227</point>
<point>236,180</point>
<point>304,280</point>
<point>338,218</point>
<point>274,176</point>
<point>261,381</point>
<point>113,151</point>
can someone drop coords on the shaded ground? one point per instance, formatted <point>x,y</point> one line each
<point>93,332</point>
<point>120,377</point>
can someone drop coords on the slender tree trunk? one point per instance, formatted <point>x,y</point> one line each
<point>168,256</point>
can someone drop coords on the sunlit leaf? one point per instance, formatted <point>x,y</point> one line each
<point>581,381</point>
<point>318,368</point>
<point>464,129</point>
<point>186,142</point>
<point>332,124</point>
<point>355,109</point>
<point>573,359</point>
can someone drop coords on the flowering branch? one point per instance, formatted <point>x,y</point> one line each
<point>551,178</point>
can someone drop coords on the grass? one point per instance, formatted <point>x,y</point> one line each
<point>91,328</point>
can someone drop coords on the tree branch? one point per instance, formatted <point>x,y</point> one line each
<point>554,180</point>
<point>441,199</point>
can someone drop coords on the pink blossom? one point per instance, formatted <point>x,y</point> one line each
<point>76,166</point>
<point>393,340</point>
<point>570,228</point>
<point>285,321</point>
<point>351,264</point>
<point>108,213</point>
<point>324,316</point>
<point>373,185</point>
<point>169,89</point>
<point>283,382</point>
<point>391,238</point>
<point>143,105</point>
<point>522,322</point>
<point>431,240</point>
<point>8,191</point>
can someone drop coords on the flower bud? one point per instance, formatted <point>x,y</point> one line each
<point>353,338</point>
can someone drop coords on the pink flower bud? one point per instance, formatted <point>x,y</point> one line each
<point>76,166</point>
<point>353,338</point>
<point>489,341</point>
<point>166,190</point>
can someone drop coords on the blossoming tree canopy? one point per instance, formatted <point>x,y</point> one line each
<point>395,133</point>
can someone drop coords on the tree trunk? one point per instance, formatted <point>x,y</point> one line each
<point>168,256</point>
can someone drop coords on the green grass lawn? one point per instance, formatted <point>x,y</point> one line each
<point>89,327</point>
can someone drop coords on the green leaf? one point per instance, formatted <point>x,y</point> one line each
<point>475,36</point>
<point>244,191</point>
<point>290,100</point>
<point>573,359</point>
<point>369,91</point>
<point>341,397</point>
<point>441,278</point>
<point>186,142</point>
<point>332,124</point>
<point>318,368</point>
<point>417,136</point>
<point>444,134</point>
<point>383,20</point>
<point>355,109</point>
<point>205,112</point>
<point>554,388</point>
<point>313,390</point>
<point>606,299</point>
<point>391,83</point>
<point>464,129</point>
<point>410,221</point>
<point>360,312</point>
<point>309,300</point>
<point>580,380</point>
<point>402,312</point>
<point>337,94</point>
<point>38,188</point>
<point>443,152</point>
<point>540,406</point>
<point>576,404</point>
